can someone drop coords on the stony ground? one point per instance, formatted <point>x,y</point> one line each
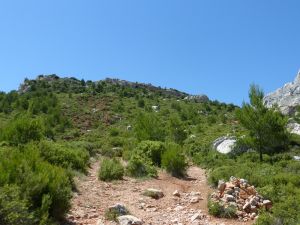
<point>94,197</point>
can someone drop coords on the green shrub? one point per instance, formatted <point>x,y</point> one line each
<point>111,169</point>
<point>64,155</point>
<point>215,209</point>
<point>141,103</point>
<point>113,214</point>
<point>46,188</point>
<point>23,130</point>
<point>13,209</point>
<point>177,130</point>
<point>153,150</point>
<point>229,212</point>
<point>218,210</point>
<point>114,132</point>
<point>140,167</point>
<point>174,161</point>
<point>149,127</point>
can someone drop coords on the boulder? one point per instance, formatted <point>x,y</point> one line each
<point>297,158</point>
<point>153,193</point>
<point>129,220</point>
<point>118,208</point>
<point>224,144</point>
<point>287,98</point>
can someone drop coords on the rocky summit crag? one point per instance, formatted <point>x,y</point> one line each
<point>286,98</point>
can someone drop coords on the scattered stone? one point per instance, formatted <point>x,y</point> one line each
<point>100,222</point>
<point>176,193</point>
<point>229,198</point>
<point>267,204</point>
<point>179,208</point>
<point>240,194</point>
<point>194,200</point>
<point>129,220</point>
<point>196,216</point>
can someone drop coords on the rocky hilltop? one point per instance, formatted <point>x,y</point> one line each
<point>287,98</point>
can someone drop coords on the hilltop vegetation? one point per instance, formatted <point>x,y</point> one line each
<point>52,126</point>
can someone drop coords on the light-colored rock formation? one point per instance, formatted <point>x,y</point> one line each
<point>287,98</point>
<point>224,144</point>
<point>197,98</point>
<point>293,127</point>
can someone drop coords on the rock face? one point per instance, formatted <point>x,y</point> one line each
<point>287,98</point>
<point>293,127</point>
<point>224,144</point>
<point>197,98</point>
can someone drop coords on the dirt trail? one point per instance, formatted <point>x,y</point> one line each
<point>94,197</point>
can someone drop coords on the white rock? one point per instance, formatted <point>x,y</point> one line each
<point>194,200</point>
<point>100,222</point>
<point>129,220</point>
<point>196,216</point>
<point>287,98</point>
<point>179,208</point>
<point>293,127</point>
<point>224,144</point>
<point>297,158</point>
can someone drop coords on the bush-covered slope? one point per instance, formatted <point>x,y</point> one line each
<point>52,126</point>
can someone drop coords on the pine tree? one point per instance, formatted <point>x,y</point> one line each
<point>267,127</point>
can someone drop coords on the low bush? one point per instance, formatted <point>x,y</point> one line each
<point>35,187</point>
<point>173,160</point>
<point>218,210</point>
<point>64,155</point>
<point>153,150</point>
<point>215,209</point>
<point>113,214</point>
<point>114,132</point>
<point>140,167</point>
<point>111,169</point>
<point>23,130</point>
<point>14,209</point>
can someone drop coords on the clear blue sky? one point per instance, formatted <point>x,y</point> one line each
<point>215,47</point>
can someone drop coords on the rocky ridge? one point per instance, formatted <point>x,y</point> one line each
<point>287,98</point>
